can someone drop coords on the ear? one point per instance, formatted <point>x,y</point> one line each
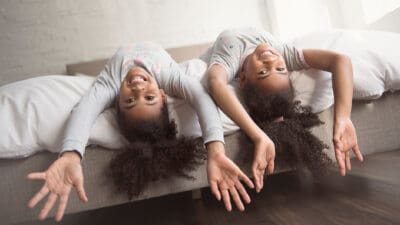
<point>163,96</point>
<point>242,79</point>
<point>116,101</point>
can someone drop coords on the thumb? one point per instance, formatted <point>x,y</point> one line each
<point>337,134</point>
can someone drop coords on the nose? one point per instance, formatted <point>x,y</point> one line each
<point>268,56</point>
<point>136,85</point>
<point>137,88</point>
<point>269,59</point>
<point>271,62</point>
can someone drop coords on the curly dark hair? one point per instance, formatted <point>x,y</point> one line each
<point>294,143</point>
<point>154,152</point>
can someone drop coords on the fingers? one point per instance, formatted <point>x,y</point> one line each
<point>340,157</point>
<point>340,161</point>
<point>242,192</point>
<point>47,207</point>
<point>214,190</point>
<point>81,191</point>
<point>36,176</point>
<point>271,166</point>
<point>357,152</point>
<point>256,177</point>
<point>43,192</point>
<point>258,173</point>
<point>246,180</point>
<point>61,207</point>
<point>226,198</point>
<point>348,164</point>
<point>261,173</point>
<point>236,198</point>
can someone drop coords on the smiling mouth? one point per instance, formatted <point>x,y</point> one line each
<point>266,53</point>
<point>137,78</point>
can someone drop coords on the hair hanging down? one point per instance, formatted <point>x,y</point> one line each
<point>295,145</point>
<point>154,153</point>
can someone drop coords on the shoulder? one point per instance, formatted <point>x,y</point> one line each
<point>229,38</point>
<point>235,32</point>
<point>250,34</point>
<point>139,47</point>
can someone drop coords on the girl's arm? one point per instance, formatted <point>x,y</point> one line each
<point>224,176</point>
<point>229,103</point>
<point>66,172</point>
<point>344,134</point>
<point>99,97</point>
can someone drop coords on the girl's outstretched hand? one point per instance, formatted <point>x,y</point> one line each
<point>264,156</point>
<point>225,177</point>
<point>59,178</point>
<point>345,140</point>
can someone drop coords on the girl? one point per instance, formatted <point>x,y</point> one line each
<point>258,60</point>
<point>136,79</point>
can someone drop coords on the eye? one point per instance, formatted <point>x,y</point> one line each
<point>130,100</point>
<point>263,72</point>
<point>149,98</point>
<point>281,69</point>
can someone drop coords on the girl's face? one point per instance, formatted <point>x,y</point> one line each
<point>266,69</point>
<point>139,97</point>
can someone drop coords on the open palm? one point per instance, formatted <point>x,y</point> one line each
<point>59,179</point>
<point>345,140</point>
<point>224,178</point>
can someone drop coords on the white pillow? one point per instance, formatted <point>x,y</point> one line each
<point>375,57</point>
<point>34,112</point>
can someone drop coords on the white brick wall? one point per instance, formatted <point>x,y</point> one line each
<point>41,36</point>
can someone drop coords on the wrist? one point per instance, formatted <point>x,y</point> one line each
<point>260,136</point>
<point>215,149</point>
<point>339,118</point>
<point>71,155</point>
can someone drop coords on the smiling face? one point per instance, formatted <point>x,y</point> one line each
<point>265,69</point>
<point>140,97</point>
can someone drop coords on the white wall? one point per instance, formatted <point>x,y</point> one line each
<point>374,10</point>
<point>41,36</point>
<point>291,18</point>
<point>389,22</point>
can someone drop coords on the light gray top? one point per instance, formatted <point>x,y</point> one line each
<point>169,76</point>
<point>234,45</point>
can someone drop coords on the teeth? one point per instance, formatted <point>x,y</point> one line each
<point>266,53</point>
<point>137,79</point>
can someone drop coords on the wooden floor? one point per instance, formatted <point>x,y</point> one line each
<point>370,194</point>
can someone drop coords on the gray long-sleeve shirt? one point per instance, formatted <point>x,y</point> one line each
<point>169,76</point>
<point>232,46</point>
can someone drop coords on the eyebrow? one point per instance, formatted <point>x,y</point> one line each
<point>263,76</point>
